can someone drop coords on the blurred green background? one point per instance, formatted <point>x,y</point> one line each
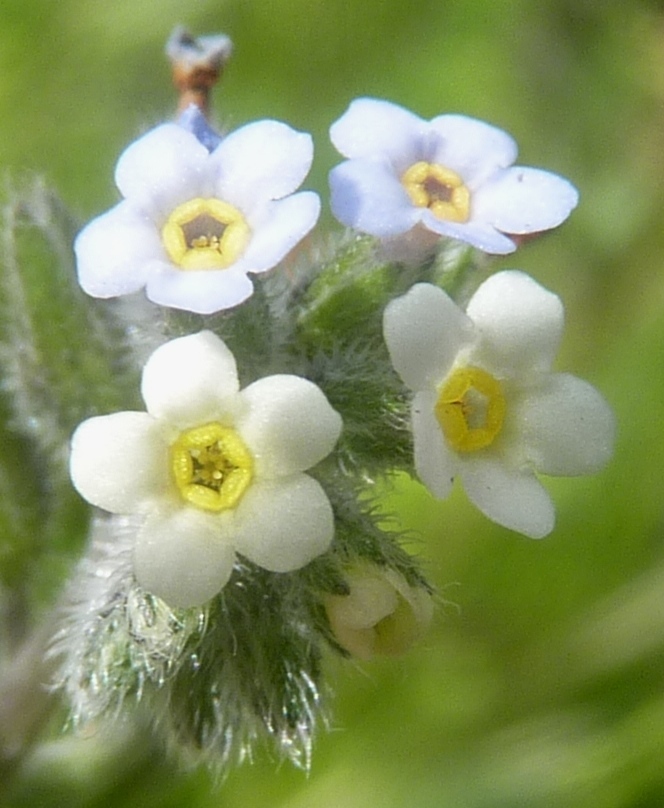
<point>541,682</point>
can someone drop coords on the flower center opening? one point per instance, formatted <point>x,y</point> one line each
<point>470,409</point>
<point>205,234</point>
<point>430,185</point>
<point>212,467</point>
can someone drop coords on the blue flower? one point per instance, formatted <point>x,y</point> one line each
<point>408,178</point>
<point>193,224</point>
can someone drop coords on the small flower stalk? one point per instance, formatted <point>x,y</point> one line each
<point>244,390</point>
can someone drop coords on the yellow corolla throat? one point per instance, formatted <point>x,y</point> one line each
<point>430,185</point>
<point>470,409</point>
<point>212,467</point>
<point>205,234</point>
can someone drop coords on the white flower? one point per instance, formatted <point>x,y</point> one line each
<point>452,176</point>
<point>193,223</point>
<point>214,470</point>
<point>382,613</point>
<point>487,407</point>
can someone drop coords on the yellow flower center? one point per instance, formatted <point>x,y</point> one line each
<point>205,234</point>
<point>212,467</point>
<point>430,185</point>
<point>470,409</point>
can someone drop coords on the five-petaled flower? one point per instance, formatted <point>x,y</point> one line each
<point>193,223</point>
<point>411,179</point>
<point>487,406</point>
<point>213,469</point>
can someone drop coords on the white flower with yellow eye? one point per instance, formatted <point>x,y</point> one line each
<point>382,614</point>
<point>487,406</point>
<point>193,223</point>
<point>213,469</point>
<point>452,176</point>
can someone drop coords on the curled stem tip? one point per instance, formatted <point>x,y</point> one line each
<point>198,63</point>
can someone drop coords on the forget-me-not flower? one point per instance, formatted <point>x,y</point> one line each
<point>211,469</point>
<point>407,178</point>
<point>194,223</point>
<point>487,407</point>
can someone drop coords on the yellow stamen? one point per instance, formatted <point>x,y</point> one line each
<point>205,234</point>
<point>212,467</point>
<point>470,409</point>
<point>430,185</point>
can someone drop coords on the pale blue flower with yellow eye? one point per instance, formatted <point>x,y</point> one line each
<point>488,408</point>
<point>452,176</point>
<point>193,223</point>
<point>211,470</point>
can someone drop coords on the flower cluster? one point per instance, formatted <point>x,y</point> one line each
<point>242,508</point>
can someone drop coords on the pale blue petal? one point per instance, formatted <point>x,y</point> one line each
<point>478,234</point>
<point>277,227</point>
<point>524,200</point>
<point>162,169</point>
<point>472,148</point>
<point>261,161</point>
<point>371,127</point>
<point>202,291</point>
<point>115,250</point>
<point>367,195</point>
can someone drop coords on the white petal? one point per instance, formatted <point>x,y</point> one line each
<point>202,291</point>
<point>261,161</point>
<point>366,194</point>
<point>566,426</point>
<point>472,148</point>
<point>520,323</point>
<point>512,498</point>
<point>524,200</point>
<point>372,127</point>
<point>120,462</point>
<point>190,380</point>
<point>276,228</point>
<point>281,525</point>
<point>288,424</point>
<point>115,250</point>
<point>424,330</point>
<point>183,556</point>
<point>434,462</point>
<point>163,168</point>
<point>478,234</point>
